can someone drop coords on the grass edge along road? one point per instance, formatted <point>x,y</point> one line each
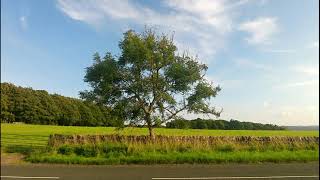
<point>214,157</point>
<point>25,138</point>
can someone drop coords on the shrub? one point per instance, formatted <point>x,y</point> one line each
<point>86,151</point>
<point>66,150</point>
<point>184,149</point>
<point>226,148</point>
<point>120,148</point>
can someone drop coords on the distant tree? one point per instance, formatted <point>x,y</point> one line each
<point>199,124</point>
<point>26,105</point>
<point>234,124</point>
<point>6,115</point>
<point>149,81</point>
<point>220,124</point>
<point>179,124</point>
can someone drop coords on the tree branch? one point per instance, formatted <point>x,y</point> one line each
<point>173,114</point>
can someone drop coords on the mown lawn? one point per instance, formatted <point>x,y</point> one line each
<point>37,135</point>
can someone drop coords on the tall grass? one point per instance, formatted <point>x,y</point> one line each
<point>167,152</point>
<point>172,143</point>
<point>138,153</point>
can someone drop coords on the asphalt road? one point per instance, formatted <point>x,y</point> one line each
<point>290,171</point>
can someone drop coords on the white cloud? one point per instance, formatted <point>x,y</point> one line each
<point>261,29</point>
<point>298,115</point>
<point>280,51</point>
<point>307,70</point>
<point>251,64</point>
<point>308,78</point>
<point>303,83</point>
<point>94,12</point>
<point>224,83</point>
<point>313,82</point>
<point>207,12</point>
<point>263,2</point>
<point>200,25</point>
<point>266,104</point>
<point>315,44</point>
<point>274,113</point>
<point>23,22</point>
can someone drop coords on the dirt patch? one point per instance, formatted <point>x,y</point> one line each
<point>12,158</point>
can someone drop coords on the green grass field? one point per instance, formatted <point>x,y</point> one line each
<point>37,135</point>
<point>31,140</point>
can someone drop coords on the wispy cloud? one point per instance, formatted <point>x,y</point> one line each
<point>266,104</point>
<point>263,2</point>
<point>307,70</point>
<point>23,22</point>
<point>208,21</point>
<point>260,29</point>
<point>313,82</point>
<point>94,12</point>
<point>306,114</point>
<point>315,44</point>
<point>280,51</point>
<point>251,64</point>
<point>304,83</point>
<point>224,83</point>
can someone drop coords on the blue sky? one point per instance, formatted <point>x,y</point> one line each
<point>263,53</point>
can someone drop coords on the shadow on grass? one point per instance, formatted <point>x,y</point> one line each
<point>25,150</point>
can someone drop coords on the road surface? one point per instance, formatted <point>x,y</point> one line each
<point>289,171</point>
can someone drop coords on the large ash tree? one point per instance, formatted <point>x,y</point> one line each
<point>149,83</point>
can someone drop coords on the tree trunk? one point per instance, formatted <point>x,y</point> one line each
<point>149,123</point>
<point>151,133</point>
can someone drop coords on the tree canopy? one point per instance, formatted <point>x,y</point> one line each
<point>149,83</point>
<point>220,124</point>
<point>30,106</point>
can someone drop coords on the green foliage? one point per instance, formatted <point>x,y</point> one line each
<point>22,149</point>
<point>86,151</point>
<point>149,83</point>
<point>136,153</point>
<point>227,148</point>
<point>66,150</point>
<point>183,158</point>
<point>30,106</point>
<point>113,147</point>
<point>220,124</point>
<point>106,149</point>
<point>134,148</point>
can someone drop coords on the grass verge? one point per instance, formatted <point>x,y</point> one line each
<point>138,153</point>
<point>181,158</point>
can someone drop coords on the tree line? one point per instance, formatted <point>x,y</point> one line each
<point>30,106</point>
<point>220,124</point>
